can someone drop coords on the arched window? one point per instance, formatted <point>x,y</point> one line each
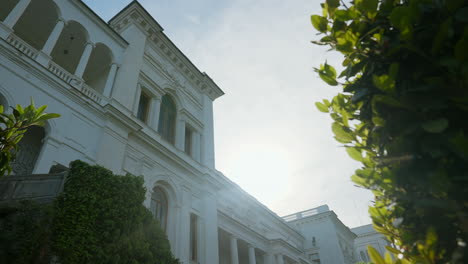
<point>29,149</point>
<point>167,119</point>
<point>159,206</point>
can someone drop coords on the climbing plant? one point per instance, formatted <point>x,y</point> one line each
<point>402,112</point>
<point>12,129</point>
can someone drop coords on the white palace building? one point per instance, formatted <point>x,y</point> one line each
<point>132,102</point>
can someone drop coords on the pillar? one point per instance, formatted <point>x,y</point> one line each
<point>180,134</point>
<point>234,253</point>
<point>211,247</point>
<point>6,27</point>
<point>110,80</point>
<point>155,112</point>
<point>136,101</point>
<point>80,69</point>
<point>279,259</point>
<point>268,258</point>
<point>252,259</point>
<point>16,13</point>
<point>44,56</point>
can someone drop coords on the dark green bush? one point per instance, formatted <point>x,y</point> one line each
<point>100,218</point>
<point>402,113</point>
<point>25,233</point>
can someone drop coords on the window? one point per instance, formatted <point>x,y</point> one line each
<point>159,206</point>
<point>193,238</point>
<point>188,140</point>
<point>167,118</point>
<point>29,149</point>
<point>143,106</point>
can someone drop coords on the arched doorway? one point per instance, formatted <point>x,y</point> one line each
<point>37,22</point>
<point>29,149</point>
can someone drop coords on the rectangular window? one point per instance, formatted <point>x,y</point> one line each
<point>193,238</point>
<point>143,107</point>
<point>188,141</point>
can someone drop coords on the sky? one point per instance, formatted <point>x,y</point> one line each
<point>269,137</point>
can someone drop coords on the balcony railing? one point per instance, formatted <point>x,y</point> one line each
<point>61,72</point>
<point>22,46</point>
<point>39,187</point>
<point>91,93</point>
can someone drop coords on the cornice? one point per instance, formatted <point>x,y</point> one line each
<point>98,20</point>
<point>136,14</point>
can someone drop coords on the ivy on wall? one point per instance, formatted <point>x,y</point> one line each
<point>99,218</point>
<point>402,113</point>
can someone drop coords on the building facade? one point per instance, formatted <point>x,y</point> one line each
<point>132,102</point>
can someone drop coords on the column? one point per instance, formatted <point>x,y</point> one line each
<point>196,145</point>
<point>110,80</point>
<point>252,259</point>
<point>136,101</point>
<point>268,258</point>
<point>211,247</point>
<point>180,134</point>
<point>6,27</point>
<point>280,259</point>
<point>16,13</point>
<point>155,112</point>
<point>44,56</point>
<point>80,69</point>
<point>234,253</point>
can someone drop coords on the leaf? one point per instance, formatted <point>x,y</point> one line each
<point>384,82</point>
<point>354,153</point>
<point>328,74</point>
<point>341,134</point>
<point>321,107</point>
<point>320,23</point>
<point>462,15</point>
<point>401,18</point>
<point>375,256</point>
<point>435,126</point>
<point>441,35</point>
<point>368,7</point>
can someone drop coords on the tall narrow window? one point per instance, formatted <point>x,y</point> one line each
<point>194,238</point>
<point>188,141</point>
<point>167,119</point>
<point>159,206</point>
<point>143,107</point>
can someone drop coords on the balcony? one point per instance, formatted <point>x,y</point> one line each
<point>36,29</point>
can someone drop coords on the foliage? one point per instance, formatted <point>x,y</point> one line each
<point>100,218</point>
<point>25,236</point>
<point>402,114</point>
<point>12,128</point>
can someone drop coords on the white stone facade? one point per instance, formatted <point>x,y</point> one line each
<point>132,102</point>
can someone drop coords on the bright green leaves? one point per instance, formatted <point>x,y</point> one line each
<point>12,128</point>
<point>321,107</point>
<point>346,41</point>
<point>354,153</point>
<point>375,256</point>
<point>435,126</point>
<point>320,23</point>
<point>327,73</point>
<point>342,134</point>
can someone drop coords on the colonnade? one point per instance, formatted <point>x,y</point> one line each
<point>44,55</point>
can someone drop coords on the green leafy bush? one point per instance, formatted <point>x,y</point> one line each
<point>12,129</point>
<point>25,233</point>
<point>402,114</point>
<point>100,218</point>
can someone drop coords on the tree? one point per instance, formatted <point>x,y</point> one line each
<point>402,114</point>
<point>12,129</point>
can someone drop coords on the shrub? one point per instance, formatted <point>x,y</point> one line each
<point>100,218</point>
<point>25,235</point>
<point>402,114</point>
